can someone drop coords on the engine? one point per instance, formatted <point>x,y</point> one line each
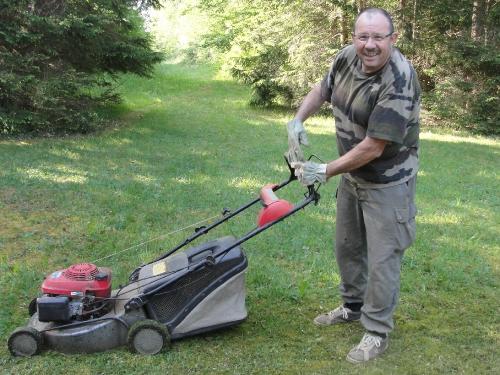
<point>79,292</point>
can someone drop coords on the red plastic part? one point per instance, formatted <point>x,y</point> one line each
<point>274,208</point>
<point>79,278</point>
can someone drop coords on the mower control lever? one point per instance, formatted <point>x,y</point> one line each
<point>291,169</point>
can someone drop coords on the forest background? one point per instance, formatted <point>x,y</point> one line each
<point>61,60</point>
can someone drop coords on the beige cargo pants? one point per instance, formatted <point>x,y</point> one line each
<point>373,229</point>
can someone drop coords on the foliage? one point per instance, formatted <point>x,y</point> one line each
<point>278,47</point>
<point>193,146</point>
<point>469,96</point>
<point>59,59</point>
<point>462,80</point>
<point>281,48</point>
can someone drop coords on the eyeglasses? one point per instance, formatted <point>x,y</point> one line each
<point>363,38</point>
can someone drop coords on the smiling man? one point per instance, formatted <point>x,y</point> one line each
<point>375,97</point>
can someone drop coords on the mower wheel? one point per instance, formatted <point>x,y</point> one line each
<point>25,342</point>
<point>148,337</point>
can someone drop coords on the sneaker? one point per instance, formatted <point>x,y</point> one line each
<point>341,314</point>
<point>371,346</point>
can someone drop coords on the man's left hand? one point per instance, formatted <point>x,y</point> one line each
<point>310,172</point>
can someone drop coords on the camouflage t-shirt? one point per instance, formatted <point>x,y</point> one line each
<point>384,105</point>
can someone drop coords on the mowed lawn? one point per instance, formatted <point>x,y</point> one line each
<point>183,146</point>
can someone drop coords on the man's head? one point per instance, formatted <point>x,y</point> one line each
<point>373,38</point>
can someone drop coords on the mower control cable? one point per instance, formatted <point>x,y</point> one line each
<point>156,238</point>
<point>227,214</point>
<point>142,299</point>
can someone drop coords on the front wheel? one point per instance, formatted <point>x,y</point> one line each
<point>148,337</point>
<point>25,342</point>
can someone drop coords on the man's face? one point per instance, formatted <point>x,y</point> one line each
<point>372,42</point>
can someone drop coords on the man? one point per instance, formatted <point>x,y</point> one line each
<point>375,96</point>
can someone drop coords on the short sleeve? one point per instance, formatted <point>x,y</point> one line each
<point>329,79</point>
<point>394,109</point>
<point>327,84</point>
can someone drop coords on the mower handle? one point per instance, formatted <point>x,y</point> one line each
<point>144,297</point>
<point>226,216</point>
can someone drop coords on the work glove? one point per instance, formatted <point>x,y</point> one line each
<point>296,136</point>
<point>310,172</point>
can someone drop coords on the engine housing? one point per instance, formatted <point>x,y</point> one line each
<point>79,279</point>
<point>79,292</point>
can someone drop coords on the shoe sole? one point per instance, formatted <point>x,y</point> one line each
<point>356,362</point>
<point>332,324</point>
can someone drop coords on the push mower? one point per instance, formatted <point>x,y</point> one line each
<point>179,294</point>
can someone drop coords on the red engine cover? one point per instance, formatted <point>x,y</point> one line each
<point>83,277</point>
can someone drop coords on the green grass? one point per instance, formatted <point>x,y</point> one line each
<point>184,146</point>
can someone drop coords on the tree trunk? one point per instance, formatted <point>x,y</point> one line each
<point>401,15</point>
<point>488,27</point>
<point>404,20</point>
<point>414,23</point>
<point>345,28</point>
<point>478,16</point>
<point>361,5</point>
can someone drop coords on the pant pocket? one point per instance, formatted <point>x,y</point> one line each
<point>406,233</point>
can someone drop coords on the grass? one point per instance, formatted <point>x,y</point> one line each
<point>186,145</point>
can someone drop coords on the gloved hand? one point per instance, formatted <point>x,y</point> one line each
<point>310,172</point>
<point>296,136</point>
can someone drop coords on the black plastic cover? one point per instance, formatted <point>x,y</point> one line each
<point>53,309</point>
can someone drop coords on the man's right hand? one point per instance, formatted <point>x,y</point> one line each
<point>296,137</point>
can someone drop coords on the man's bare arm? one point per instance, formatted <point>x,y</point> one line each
<point>367,150</point>
<point>311,104</point>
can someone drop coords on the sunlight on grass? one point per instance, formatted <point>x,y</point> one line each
<point>119,141</point>
<point>183,180</point>
<point>280,169</point>
<point>17,143</point>
<point>147,180</point>
<point>488,173</point>
<point>450,138</point>
<point>246,183</point>
<point>66,153</point>
<point>70,175</point>
<point>440,219</point>
<point>321,217</point>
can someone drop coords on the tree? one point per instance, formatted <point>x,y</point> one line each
<point>59,57</point>
<point>478,20</point>
<point>282,47</point>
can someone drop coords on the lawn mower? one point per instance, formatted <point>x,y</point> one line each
<point>179,294</point>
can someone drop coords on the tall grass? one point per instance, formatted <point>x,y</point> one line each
<point>184,146</point>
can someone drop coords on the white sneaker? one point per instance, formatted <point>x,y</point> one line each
<point>341,314</point>
<point>371,346</point>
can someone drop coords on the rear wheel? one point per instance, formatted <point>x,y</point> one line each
<point>148,337</point>
<point>25,342</point>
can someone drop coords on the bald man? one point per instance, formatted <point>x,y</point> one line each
<point>375,96</point>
